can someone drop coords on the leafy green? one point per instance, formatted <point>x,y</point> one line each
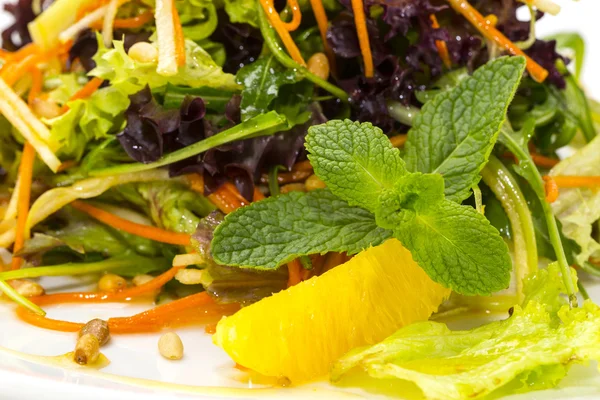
<point>262,80</point>
<point>242,12</point>
<point>579,208</point>
<point>9,147</point>
<point>574,43</point>
<point>532,349</point>
<point>214,99</point>
<point>357,161</point>
<point>115,65</point>
<point>279,229</point>
<point>455,132</point>
<point>198,18</point>
<point>174,207</point>
<point>517,143</point>
<point>359,164</point>
<point>261,125</point>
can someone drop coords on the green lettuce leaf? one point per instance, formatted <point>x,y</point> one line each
<point>532,349</point>
<point>579,208</point>
<point>242,12</point>
<point>198,18</point>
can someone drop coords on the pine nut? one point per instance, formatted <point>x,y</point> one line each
<point>293,187</point>
<point>27,288</point>
<point>314,182</point>
<point>143,52</point>
<point>98,328</point>
<point>318,64</point>
<point>112,283</point>
<point>87,349</point>
<point>170,346</point>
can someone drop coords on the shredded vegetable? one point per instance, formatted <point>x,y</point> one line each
<point>282,30</point>
<point>25,177</point>
<point>363,36</point>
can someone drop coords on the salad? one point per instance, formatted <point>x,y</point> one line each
<point>319,184</point>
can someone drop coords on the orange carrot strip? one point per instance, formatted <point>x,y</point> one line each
<point>323,24</point>
<point>332,260</point>
<point>258,196</point>
<point>25,177</point>
<point>551,189</point>
<point>85,91</point>
<point>231,187</point>
<point>537,72</point>
<point>295,273</point>
<point>36,85</point>
<point>89,7</point>
<point>399,140</point>
<point>442,47</point>
<point>25,51</point>
<point>281,30</point>
<point>179,38</point>
<point>13,74</point>
<point>577,181</point>
<point>296,16</point>
<point>145,231</point>
<point>542,161</point>
<point>363,36</point>
<point>223,198</point>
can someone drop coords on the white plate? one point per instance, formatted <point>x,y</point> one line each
<point>206,371</point>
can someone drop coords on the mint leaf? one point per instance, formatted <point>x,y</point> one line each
<point>356,161</point>
<point>279,229</point>
<point>455,132</point>
<point>262,80</point>
<point>458,248</point>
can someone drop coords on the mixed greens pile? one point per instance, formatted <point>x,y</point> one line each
<point>451,146</point>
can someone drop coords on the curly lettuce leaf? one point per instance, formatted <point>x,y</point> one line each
<point>579,208</point>
<point>532,349</point>
<point>129,75</point>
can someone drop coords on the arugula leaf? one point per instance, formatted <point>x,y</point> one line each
<point>457,247</point>
<point>574,42</point>
<point>455,132</point>
<point>356,161</point>
<point>274,231</point>
<point>262,80</point>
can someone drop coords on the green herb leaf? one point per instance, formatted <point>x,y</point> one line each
<point>279,229</point>
<point>356,161</point>
<point>458,248</point>
<point>262,80</point>
<point>455,132</point>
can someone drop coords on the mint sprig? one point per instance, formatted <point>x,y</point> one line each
<point>279,229</point>
<point>454,133</point>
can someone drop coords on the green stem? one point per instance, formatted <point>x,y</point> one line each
<point>71,269</point>
<point>507,191</point>
<point>478,200</point>
<point>583,291</point>
<point>12,294</point>
<point>261,125</point>
<point>273,183</point>
<point>537,183</point>
<point>401,113</point>
<point>272,43</point>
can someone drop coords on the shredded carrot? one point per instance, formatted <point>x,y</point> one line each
<point>179,38</point>
<point>363,36</point>
<point>223,197</point>
<point>282,31</point>
<point>85,91</point>
<point>25,177</point>
<point>543,161</point>
<point>89,7</point>
<point>577,181</point>
<point>15,72</point>
<point>258,195</point>
<point>25,51</point>
<point>36,85</point>
<point>537,72</point>
<point>551,189</point>
<point>189,309</point>
<point>442,47</point>
<point>295,273</point>
<point>332,260</point>
<point>399,140</point>
<point>145,231</point>
<point>296,16</point>
<point>323,24</point>
<point>211,329</point>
